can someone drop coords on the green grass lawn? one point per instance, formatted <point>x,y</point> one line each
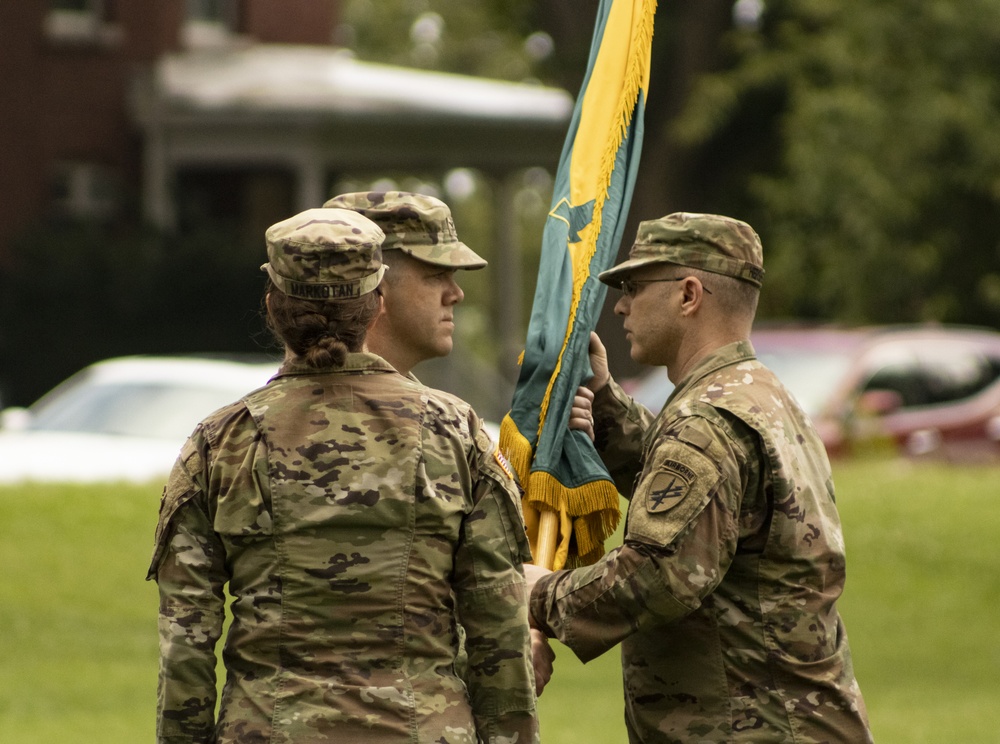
<point>78,623</point>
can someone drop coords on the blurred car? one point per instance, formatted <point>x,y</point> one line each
<point>922,391</point>
<point>122,419</point>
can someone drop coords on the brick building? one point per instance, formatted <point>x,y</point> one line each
<point>68,140</point>
<point>177,110</point>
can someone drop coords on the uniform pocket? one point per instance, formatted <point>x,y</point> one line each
<point>504,489</point>
<point>179,490</point>
<point>508,496</point>
<point>243,504</point>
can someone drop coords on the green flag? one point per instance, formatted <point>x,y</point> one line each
<point>565,481</point>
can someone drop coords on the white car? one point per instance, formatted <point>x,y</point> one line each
<point>121,419</point>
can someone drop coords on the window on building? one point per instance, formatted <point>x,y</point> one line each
<point>219,11</point>
<point>211,22</point>
<point>81,21</point>
<point>84,190</point>
<point>247,199</point>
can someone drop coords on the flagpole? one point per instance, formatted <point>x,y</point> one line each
<point>548,539</point>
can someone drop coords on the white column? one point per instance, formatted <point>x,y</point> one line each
<point>157,170</point>
<point>506,273</point>
<point>311,178</point>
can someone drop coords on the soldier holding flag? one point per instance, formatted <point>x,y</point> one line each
<point>723,595</point>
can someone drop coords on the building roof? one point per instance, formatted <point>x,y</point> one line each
<point>276,103</point>
<point>276,78</point>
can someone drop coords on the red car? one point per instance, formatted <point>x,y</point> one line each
<point>923,391</point>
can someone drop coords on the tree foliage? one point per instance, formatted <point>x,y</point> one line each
<point>882,203</point>
<point>489,38</point>
<point>860,139</point>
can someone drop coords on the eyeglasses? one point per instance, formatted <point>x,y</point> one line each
<point>630,286</point>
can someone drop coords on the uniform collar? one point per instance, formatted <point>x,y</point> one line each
<point>362,362</point>
<point>724,356</point>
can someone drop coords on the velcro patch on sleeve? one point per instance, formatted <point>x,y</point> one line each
<point>675,487</point>
<point>669,486</point>
<point>695,436</point>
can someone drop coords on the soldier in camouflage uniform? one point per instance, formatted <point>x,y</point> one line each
<point>423,253</point>
<point>354,515</point>
<point>420,292</point>
<point>723,595</point>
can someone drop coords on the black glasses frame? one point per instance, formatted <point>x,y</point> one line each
<point>629,287</point>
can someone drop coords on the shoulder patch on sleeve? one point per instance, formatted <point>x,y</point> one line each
<point>675,487</point>
<point>502,462</point>
<point>669,486</point>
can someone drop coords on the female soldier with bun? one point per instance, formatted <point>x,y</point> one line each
<point>357,517</point>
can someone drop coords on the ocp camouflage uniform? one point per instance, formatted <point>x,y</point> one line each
<point>356,516</point>
<point>418,225</point>
<point>723,594</point>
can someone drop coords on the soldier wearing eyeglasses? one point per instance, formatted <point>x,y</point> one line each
<point>724,593</point>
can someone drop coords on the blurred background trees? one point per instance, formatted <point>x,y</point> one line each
<point>859,139</point>
<point>867,155</point>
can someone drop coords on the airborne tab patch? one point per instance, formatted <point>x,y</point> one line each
<point>669,486</point>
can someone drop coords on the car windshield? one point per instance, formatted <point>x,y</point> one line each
<point>148,409</point>
<point>810,375</point>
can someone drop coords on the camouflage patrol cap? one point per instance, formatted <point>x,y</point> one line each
<point>709,242</point>
<point>416,224</point>
<point>325,254</point>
